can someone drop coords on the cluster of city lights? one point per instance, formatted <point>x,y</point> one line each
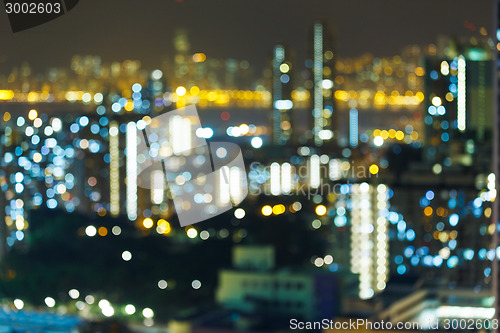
<point>407,136</point>
<point>85,304</point>
<point>449,251</point>
<point>367,98</point>
<point>279,209</point>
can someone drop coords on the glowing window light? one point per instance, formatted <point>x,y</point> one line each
<point>50,302</point>
<point>327,84</point>
<point>279,57</point>
<point>180,129</point>
<point>445,68</point>
<point>286,178</point>
<point>180,91</point>
<point>192,233</point>
<point>235,184</point>
<point>461,92</point>
<point>278,209</point>
<point>378,141</point>
<point>256,142</point>
<point>284,68</point>
<point>267,210</point>
<point>374,169</point>
<point>131,171</point>
<point>114,165</point>
<point>275,179</point>
<point>19,304</point>
<point>6,95</point>
<point>492,193</point>
<point>315,171</point>
<point>148,223</point>
<point>148,313</point>
<point>126,255</point>
<point>283,104</point>
<point>382,240</point>
<point>32,114</point>
<point>91,231</point>
<point>362,241</point>
<point>366,261</point>
<point>355,222</point>
<point>186,134</point>
<point>436,101</point>
<point>334,172</point>
<point>321,210</point>
<point>353,127</point>
<point>157,188</point>
<point>326,134</point>
<point>129,309</point>
<point>465,312</point>
<point>239,213</point>
<point>224,195</point>
<point>318,80</point>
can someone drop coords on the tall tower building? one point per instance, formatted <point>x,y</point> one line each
<point>480,93</point>
<point>282,95</point>
<point>323,67</point>
<point>459,103</point>
<point>443,105</point>
<point>360,236</point>
<point>153,92</point>
<point>369,238</point>
<point>182,47</point>
<point>353,127</point>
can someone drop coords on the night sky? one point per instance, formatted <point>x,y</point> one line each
<point>143,29</point>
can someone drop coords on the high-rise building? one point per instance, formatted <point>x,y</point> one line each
<point>254,284</point>
<point>282,86</point>
<point>480,87</point>
<point>323,67</point>
<point>458,103</point>
<point>353,127</point>
<point>182,57</point>
<point>443,231</point>
<point>370,237</point>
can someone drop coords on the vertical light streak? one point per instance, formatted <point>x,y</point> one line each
<point>131,171</point>
<point>224,188</point>
<point>315,172</point>
<point>318,79</point>
<point>461,95</point>
<point>381,240</point>
<point>355,230</point>
<point>235,184</point>
<point>114,166</point>
<point>157,187</point>
<point>279,57</point>
<point>366,244</point>
<point>353,127</point>
<point>286,178</point>
<point>334,169</point>
<point>275,179</point>
<point>180,135</point>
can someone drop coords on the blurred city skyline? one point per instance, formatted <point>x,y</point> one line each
<point>366,131</point>
<point>99,28</point>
